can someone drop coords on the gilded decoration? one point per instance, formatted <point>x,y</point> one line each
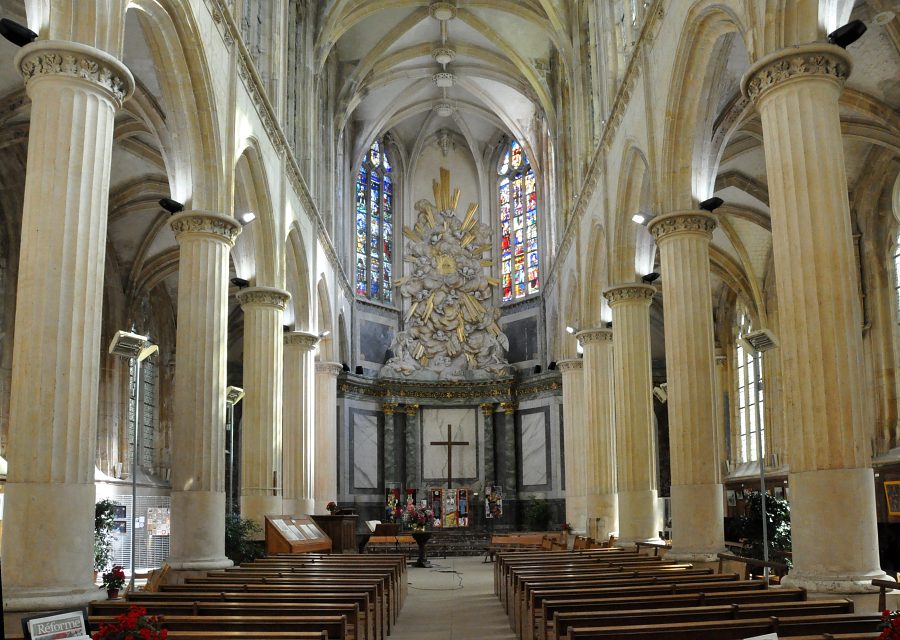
<point>691,222</point>
<point>508,408</point>
<point>264,297</point>
<point>388,408</point>
<point>630,293</point>
<point>487,410</point>
<point>213,225</point>
<point>450,328</point>
<point>411,409</point>
<point>808,60</point>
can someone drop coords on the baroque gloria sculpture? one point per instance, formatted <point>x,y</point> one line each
<point>450,328</point>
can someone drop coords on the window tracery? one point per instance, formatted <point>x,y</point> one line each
<point>375,226</point>
<point>519,255</point>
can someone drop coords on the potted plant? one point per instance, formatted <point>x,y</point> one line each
<point>104,520</point>
<point>240,540</point>
<point>331,507</point>
<point>778,525</point>
<point>113,580</point>
<point>890,625</point>
<point>538,514</point>
<point>135,624</point>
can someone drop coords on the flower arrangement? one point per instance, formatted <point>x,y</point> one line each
<point>135,624</point>
<point>114,579</point>
<point>417,518</point>
<point>565,526</point>
<point>890,625</point>
<point>331,507</point>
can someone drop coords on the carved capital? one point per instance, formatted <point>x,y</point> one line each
<point>634,293</point>
<point>62,59</point>
<point>570,365</point>
<point>699,223</point>
<point>411,409</point>
<point>263,297</point>
<point>329,368</point>
<point>487,409</point>
<point>306,341</point>
<point>818,60</point>
<point>215,226</point>
<point>508,408</point>
<point>388,408</point>
<point>594,336</point>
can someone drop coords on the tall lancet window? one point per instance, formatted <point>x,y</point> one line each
<point>147,433</point>
<point>749,392</point>
<point>519,273</point>
<point>375,226</point>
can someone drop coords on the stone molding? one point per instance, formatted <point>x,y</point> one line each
<point>487,410</point>
<point>698,223</point>
<point>570,365</point>
<point>388,408</point>
<point>306,341</point>
<point>411,409</point>
<point>629,293</point>
<point>809,60</point>
<point>329,368</point>
<point>591,336</point>
<point>205,223</point>
<point>508,408</point>
<point>46,58</point>
<point>264,297</point>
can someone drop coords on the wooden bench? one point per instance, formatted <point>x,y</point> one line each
<point>334,626</point>
<point>247,635</point>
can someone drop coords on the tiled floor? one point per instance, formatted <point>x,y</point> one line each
<point>438,609</point>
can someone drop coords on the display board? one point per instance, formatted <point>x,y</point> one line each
<point>295,534</point>
<point>451,508</point>
<point>493,501</point>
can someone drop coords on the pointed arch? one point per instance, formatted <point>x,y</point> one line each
<point>297,282</point>
<point>633,249</point>
<point>257,252</point>
<point>325,325</point>
<point>594,303</point>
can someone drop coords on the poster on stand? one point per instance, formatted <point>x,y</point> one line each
<point>392,507</point>
<point>493,501</point>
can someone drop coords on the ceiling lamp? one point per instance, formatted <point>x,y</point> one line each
<point>444,79</point>
<point>443,109</point>
<point>442,10</point>
<point>443,55</point>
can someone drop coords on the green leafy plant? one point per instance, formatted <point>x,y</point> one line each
<point>778,526</point>
<point>104,519</point>
<point>240,545</point>
<point>538,514</point>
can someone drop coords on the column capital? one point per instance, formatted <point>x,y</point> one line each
<point>216,226</point>
<point>329,368</point>
<point>690,222</point>
<point>592,336</point>
<point>388,408</point>
<point>264,297</point>
<point>411,409</point>
<point>634,292</point>
<point>73,60</point>
<point>570,365</point>
<point>487,409</point>
<point>508,408</point>
<point>306,341</point>
<point>817,60</point>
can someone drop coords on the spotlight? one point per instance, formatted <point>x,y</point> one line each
<point>240,283</point>
<point>345,367</point>
<point>712,204</point>
<point>359,370</point>
<point>609,325</point>
<point>551,366</point>
<point>848,34</point>
<point>650,277</point>
<point>18,34</point>
<point>639,218</point>
<point>537,368</point>
<point>246,218</point>
<point>325,334</point>
<point>285,327</point>
<point>570,330</point>
<point>172,206</point>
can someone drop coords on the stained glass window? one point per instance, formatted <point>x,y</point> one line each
<point>519,255</point>
<point>375,226</point>
<point>749,392</point>
<point>147,432</point>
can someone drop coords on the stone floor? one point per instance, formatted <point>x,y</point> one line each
<point>454,600</point>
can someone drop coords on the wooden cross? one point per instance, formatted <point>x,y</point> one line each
<point>450,443</point>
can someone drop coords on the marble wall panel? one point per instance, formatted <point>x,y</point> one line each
<point>464,427</point>
<point>365,451</point>
<point>534,449</point>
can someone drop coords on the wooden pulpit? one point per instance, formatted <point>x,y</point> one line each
<point>341,529</point>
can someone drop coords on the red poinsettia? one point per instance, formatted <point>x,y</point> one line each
<point>890,625</point>
<point>134,625</point>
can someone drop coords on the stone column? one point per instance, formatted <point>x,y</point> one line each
<point>198,429</point>
<point>697,499</point>
<point>796,92</point>
<point>326,462</point>
<point>490,473</point>
<point>75,91</point>
<point>721,406</point>
<point>639,515</point>
<point>297,435</point>
<point>390,462</point>
<point>413,448</point>
<point>507,470</point>
<point>601,502</point>
<point>261,454</point>
<point>574,441</point>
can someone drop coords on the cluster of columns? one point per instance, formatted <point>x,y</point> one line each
<point>796,92</point>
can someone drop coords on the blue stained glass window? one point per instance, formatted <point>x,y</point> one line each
<point>517,196</point>
<point>374,226</point>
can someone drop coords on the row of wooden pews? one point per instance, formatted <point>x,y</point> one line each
<point>290,597</point>
<point>605,593</point>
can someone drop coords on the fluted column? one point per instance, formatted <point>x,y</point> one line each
<point>326,462</point>
<point>198,429</point>
<point>698,532</point>
<point>574,440</point>
<point>297,421</point>
<point>413,447</point>
<point>639,515</point>
<point>261,424</point>
<point>796,92</point>
<point>601,502</point>
<point>48,534</point>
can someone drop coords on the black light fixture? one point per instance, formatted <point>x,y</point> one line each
<point>712,204</point>
<point>358,370</point>
<point>172,206</point>
<point>240,283</point>
<point>650,278</point>
<point>609,325</point>
<point>551,366</point>
<point>345,367</point>
<point>848,34</point>
<point>537,368</point>
<point>285,327</point>
<point>18,34</point>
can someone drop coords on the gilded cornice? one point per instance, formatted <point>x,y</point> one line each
<point>679,222</point>
<point>215,226</point>
<point>306,341</point>
<point>264,297</point>
<point>592,336</point>
<point>411,409</point>
<point>818,59</point>
<point>487,409</point>
<point>388,408</point>
<point>629,293</point>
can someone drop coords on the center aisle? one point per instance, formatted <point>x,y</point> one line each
<point>437,609</point>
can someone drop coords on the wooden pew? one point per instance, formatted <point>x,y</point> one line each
<point>334,626</point>
<point>247,635</point>
<point>509,562</point>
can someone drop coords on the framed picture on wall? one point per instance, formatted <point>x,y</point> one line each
<point>892,493</point>
<point>731,498</point>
